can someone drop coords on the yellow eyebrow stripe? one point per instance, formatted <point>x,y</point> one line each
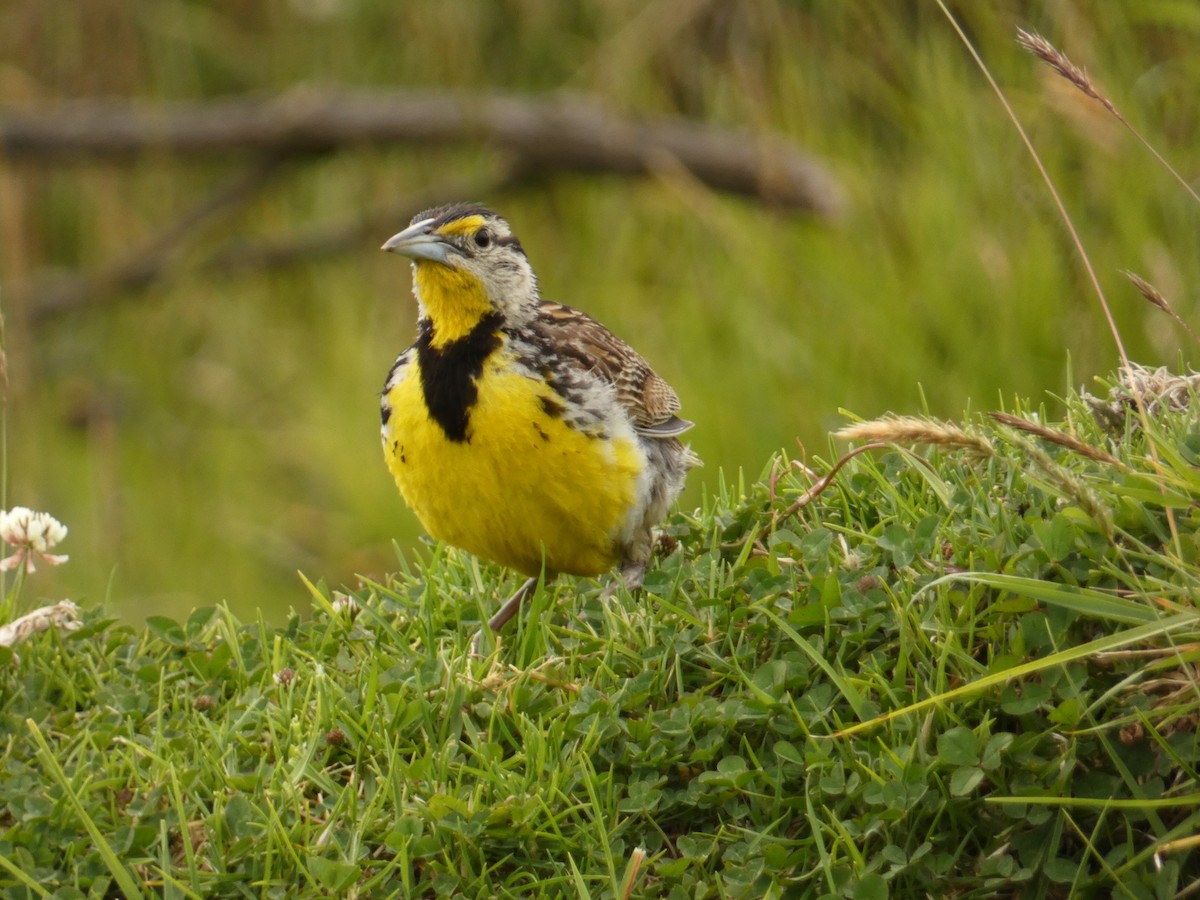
<point>465,225</point>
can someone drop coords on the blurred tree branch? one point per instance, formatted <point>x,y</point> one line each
<point>564,132</point>
<point>538,137</point>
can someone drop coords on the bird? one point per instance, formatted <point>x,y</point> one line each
<point>519,429</point>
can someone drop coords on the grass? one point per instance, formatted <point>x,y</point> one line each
<point>959,660</point>
<point>953,670</point>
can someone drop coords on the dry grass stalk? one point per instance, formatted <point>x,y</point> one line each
<point>1150,653</point>
<point>819,487</point>
<point>3,362</point>
<point>1062,438</point>
<point>1054,194</point>
<point>1042,43</point>
<point>909,430</point>
<point>1155,297</point>
<point>636,859</point>
<point>1057,60</point>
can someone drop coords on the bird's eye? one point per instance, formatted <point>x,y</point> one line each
<point>482,238</point>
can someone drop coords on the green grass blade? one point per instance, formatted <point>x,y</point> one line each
<point>1085,601</point>
<point>120,874</point>
<point>1188,801</point>
<point>853,697</point>
<point>1073,654</point>
<point>23,878</point>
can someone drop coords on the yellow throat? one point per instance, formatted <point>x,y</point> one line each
<point>455,301</point>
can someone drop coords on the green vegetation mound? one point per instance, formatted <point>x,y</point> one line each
<point>966,666</point>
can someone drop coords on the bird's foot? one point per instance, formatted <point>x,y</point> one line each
<point>477,643</point>
<point>632,576</point>
<point>503,614</point>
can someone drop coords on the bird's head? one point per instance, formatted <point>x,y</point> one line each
<point>466,263</point>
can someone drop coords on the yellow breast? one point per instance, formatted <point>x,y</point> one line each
<point>525,486</point>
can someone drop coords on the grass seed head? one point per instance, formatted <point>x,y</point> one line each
<point>1154,297</point>
<point>1054,436</point>
<point>909,430</point>
<point>1057,60</point>
<point>1067,484</point>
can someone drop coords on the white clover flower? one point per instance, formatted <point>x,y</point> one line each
<point>33,534</point>
<point>345,605</point>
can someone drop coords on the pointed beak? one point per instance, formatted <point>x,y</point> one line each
<point>418,242</point>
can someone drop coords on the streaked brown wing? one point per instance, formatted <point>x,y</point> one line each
<point>652,404</point>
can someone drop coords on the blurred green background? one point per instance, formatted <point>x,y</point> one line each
<point>207,437</point>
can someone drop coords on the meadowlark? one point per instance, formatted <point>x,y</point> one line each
<point>518,429</point>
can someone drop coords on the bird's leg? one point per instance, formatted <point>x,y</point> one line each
<point>512,604</point>
<point>633,573</point>
<point>504,613</point>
